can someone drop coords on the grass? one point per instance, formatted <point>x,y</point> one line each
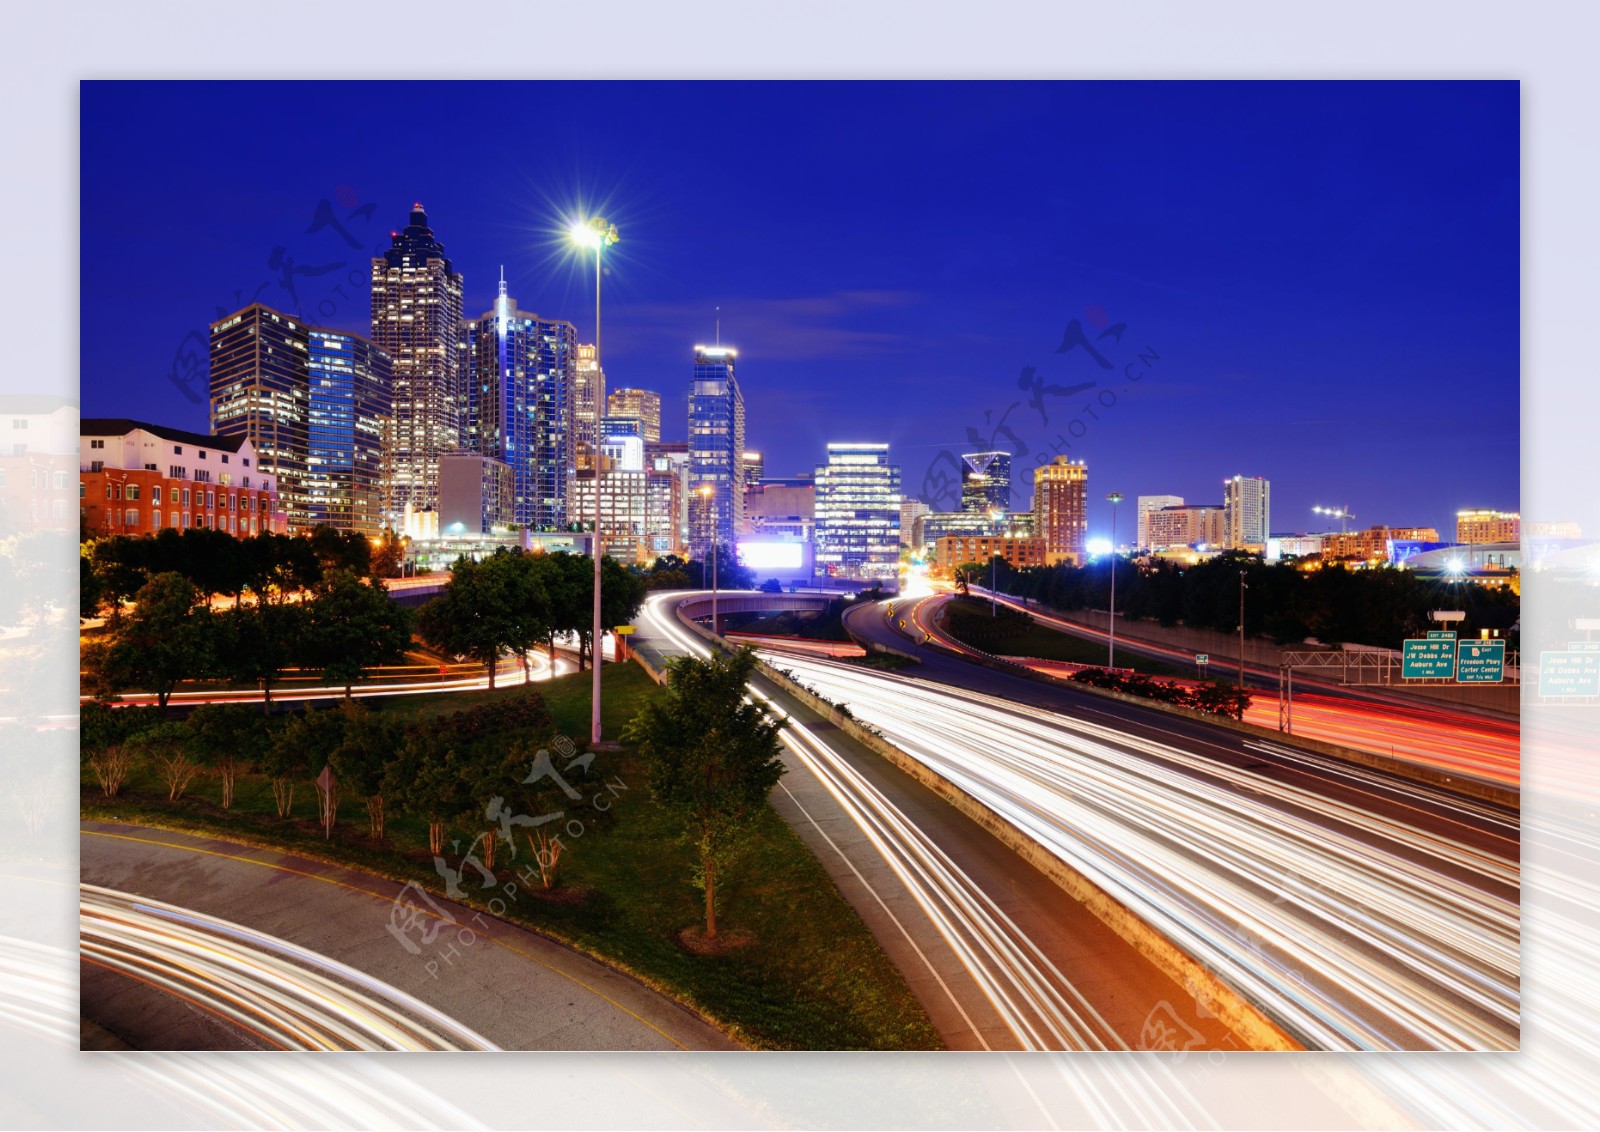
<point>815,978</point>
<point>887,661</point>
<point>1043,642</point>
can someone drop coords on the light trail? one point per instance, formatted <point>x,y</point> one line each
<point>281,994</point>
<point>1352,930</point>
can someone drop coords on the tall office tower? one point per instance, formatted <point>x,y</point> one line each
<point>1247,510</point>
<point>351,402</point>
<point>1488,526</point>
<point>260,391</point>
<point>911,510</point>
<point>416,314</point>
<point>519,369</point>
<point>1061,508</point>
<point>755,469</point>
<point>986,481</point>
<point>858,512</point>
<point>716,449</point>
<point>671,458</point>
<point>585,417</point>
<point>641,403</point>
<point>1147,504</point>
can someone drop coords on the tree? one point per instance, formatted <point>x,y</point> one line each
<point>351,626</point>
<point>389,556</point>
<point>361,760</point>
<point>165,640</point>
<point>621,594</point>
<point>166,745</point>
<point>520,579</point>
<point>713,755</point>
<point>227,738</point>
<point>110,765</point>
<point>474,616</point>
<point>255,643</point>
<point>427,779</point>
<point>341,550</point>
<point>299,751</point>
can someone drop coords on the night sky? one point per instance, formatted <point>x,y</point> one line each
<point>1322,277</point>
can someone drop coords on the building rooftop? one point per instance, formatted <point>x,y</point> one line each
<point>122,426</point>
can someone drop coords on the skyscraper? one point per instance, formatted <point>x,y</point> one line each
<point>1147,504</point>
<point>350,405</point>
<point>1247,510</point>
<point>519,372</point>
<point>641,403</point>
<point>1061,508</point>
<point>585,422</point>
<point>260,390</point>
<point>986,481</point>
<point>716,448</point>
<point>416,312</point>
<point>858,512</point>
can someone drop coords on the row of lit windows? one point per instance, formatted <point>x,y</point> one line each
<point>233,524</point>
<point>130,492</point>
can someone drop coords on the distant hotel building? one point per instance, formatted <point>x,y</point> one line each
<point>858,512</point>
<point>350,405</point>
<point>1061,508</point>
<point>585,424</point>
<point>416,315</point>
<point>477,495</point>
<point>519,371</point>
<point>1148,504</point>
<point>1186,525</point>
<point>139,479</point>
<point>986,481</point>
<point>1488,526</point>
<point>641,403</point>
<point>1373,543</point>
<point>638,512</point>
<point>716,450</point>
<point>1247,511</point>
<point>954,551</point>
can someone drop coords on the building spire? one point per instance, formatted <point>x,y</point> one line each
<point>719,326</point>
<point>502,280</point>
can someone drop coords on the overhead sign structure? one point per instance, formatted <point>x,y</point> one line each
<point>1481,662</point>
<point>1446,616</point>
<point>1569,674</point>
<point>1432,659</point>
<point>1441,634</point>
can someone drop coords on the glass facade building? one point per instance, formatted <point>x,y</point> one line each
<point>1247,510</point>
<point>716,449</point>
<point>1061,508</point>
<point>986,481</point>
<point>641,403</point>
<point>260,391</point>
<point>520,371</point>
<point>416,313</point>
<point>350,404</point>
<point>858,512</point>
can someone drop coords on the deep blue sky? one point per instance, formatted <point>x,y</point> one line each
<point>1328,272</point>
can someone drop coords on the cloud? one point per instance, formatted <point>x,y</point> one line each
<point>807,328</point>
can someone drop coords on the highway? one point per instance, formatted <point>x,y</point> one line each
<point>1360,911</point>
<point>1384,721</point>
<point>998,955</point>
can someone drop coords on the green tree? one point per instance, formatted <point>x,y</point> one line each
<point>713,754</point>
<point>361,760</point>
<point>226,738</point>
<point>255,643</point>
<point>352,625</point>
<point>388,556</point>
<point>428,780</point>
<point>475,616</point>
<point>166,745</point>
<point>299,751</point>
<point>165,640</point>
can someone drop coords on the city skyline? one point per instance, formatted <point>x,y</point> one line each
<point>1237,378</point>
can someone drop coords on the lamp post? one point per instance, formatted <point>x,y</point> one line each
<point>705,496</point>
<point>596,233</point>
<point>1242,588</point>
<point>994,611</point>
<point>1111,620</point>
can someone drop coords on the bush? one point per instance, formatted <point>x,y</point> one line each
<point>1213,699</point>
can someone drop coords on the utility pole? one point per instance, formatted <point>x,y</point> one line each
<point>1242,588</point>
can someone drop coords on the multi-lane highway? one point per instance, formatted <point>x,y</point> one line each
<point>1361,911</point>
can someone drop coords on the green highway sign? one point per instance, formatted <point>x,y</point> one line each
<point>1428,660</point>
<point>1569,673</point>
<point>1441,634</point>
<point>1481,662</point>
<point>1583,646</point>
<point>1201,658</point>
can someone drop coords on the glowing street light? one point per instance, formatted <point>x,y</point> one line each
<point>1340,513</point>
<point>1111,619</point>
<point>599,234</point>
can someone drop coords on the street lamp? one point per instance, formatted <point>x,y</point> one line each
<point>595,233</point>
<point>705,496</point>
<point>994,517</point>
<point>1242,588</point>
<point>1340,513</point>
<point>1111,620</point>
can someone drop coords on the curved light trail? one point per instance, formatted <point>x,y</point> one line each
<point>283,995</point>
<point>1352,930</point>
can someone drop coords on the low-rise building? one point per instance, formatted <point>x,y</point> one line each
<point>952,551</point>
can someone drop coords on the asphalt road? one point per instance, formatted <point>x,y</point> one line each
<point>514,987</point>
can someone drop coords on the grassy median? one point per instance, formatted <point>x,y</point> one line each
<point>969,620</point>
<point>814,979</point>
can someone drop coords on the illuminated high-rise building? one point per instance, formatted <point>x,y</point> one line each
<point>351,401</point>
<point>1147,505</point>
<point>1061,508</point>
<point>755,469</point>
<point>519,372</point>
<point>1488,526</point>
<point>858,512</point>
<point>1247,511</point>
<point>716,449</point>
<point>641,403</point>
<point>260,390</point>
<point>416,313</point>
<point>585,414</point>
<point>986,481</point>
